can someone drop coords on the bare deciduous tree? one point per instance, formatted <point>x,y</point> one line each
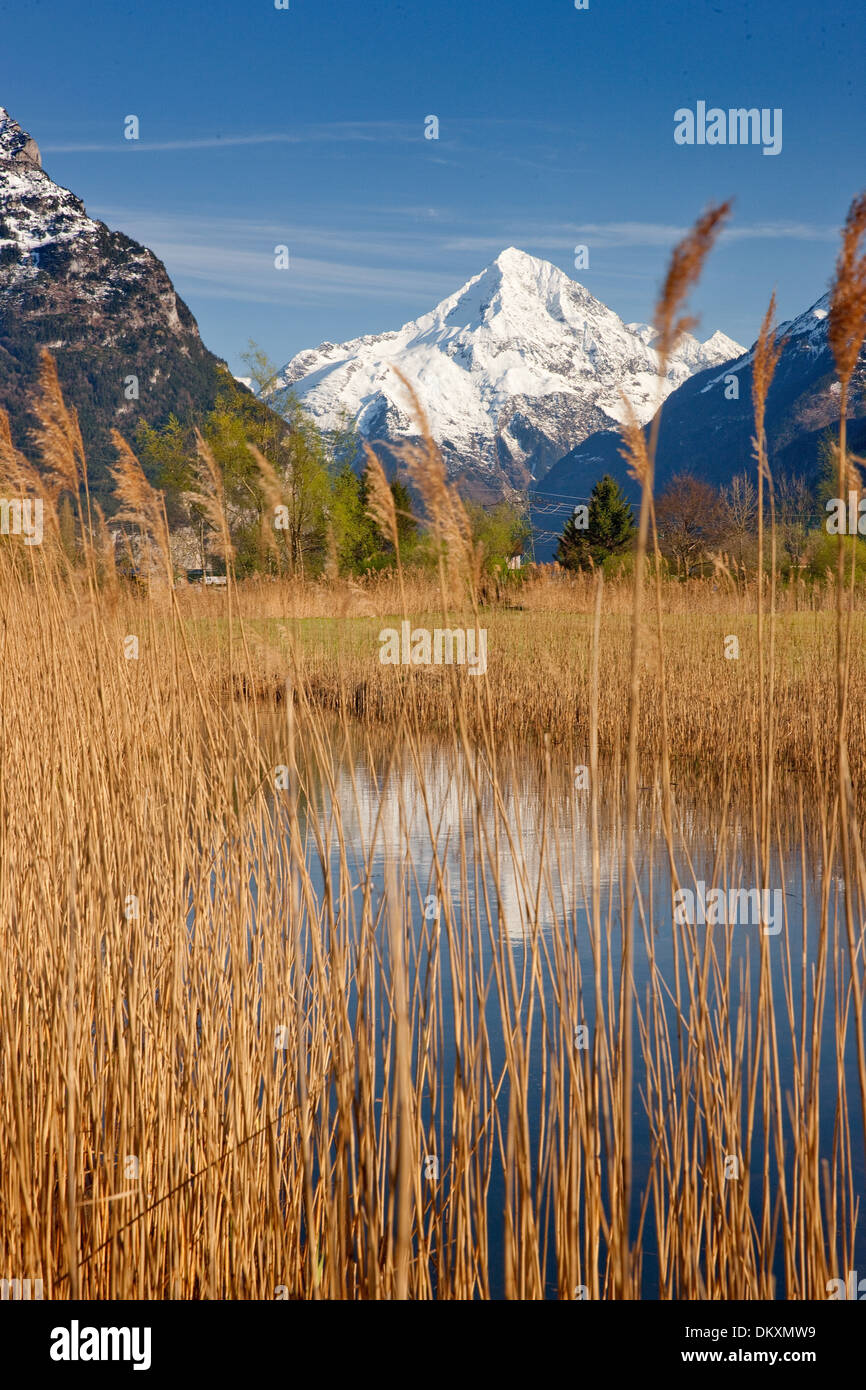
<point>690,520</point>
<point>739,502</point>
<point>795,515</point>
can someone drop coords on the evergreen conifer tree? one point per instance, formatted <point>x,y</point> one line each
<point>610,528</point>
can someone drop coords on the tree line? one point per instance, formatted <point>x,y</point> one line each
<point>698,525</point>
<point>322,521</point>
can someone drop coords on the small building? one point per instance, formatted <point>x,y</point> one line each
<point>199,577</point>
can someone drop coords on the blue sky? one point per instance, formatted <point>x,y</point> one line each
<point>305,127</point>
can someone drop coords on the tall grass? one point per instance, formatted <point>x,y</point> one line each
<point>298,999</point>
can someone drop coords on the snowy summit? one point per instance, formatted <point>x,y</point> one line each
<point>513,370</point>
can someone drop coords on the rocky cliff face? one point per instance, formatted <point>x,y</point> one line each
<point>103,304</point>
<point>16,146</point>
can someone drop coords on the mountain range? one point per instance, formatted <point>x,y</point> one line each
<point>521,372</point>
<point>707,425</point>
<point>105,307</point>
<point>512,370</point>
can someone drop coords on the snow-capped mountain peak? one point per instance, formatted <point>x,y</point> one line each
<point>513,369</point>
<point>102,303</point>
<point>717,348</point>
<point>719,343</point>
<point>36,211</point>
<point>16,146</point>
<point>808,331</point>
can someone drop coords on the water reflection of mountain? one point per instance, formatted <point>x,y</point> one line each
<point>408,810</point>
<point>529,839</point>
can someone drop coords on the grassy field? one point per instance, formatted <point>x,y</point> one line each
<point>538,678</point>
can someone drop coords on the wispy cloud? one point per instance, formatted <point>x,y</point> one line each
<point>381,255</point>
<point>457,144</point>
<point>557,239</point>
<point>219,272</point>
<point>192,232</point>
<point>781,231</point>
<point>665,234</point>
<point>229,258</point>
<point>337,132</point>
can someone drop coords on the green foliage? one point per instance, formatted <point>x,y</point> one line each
<point>572,549</point>
<point>610,528</point>
<point>823,551</point>
<point>356,539</point>
<point>621,565</point>
<point>301,461</point>
<point>166,457</point>
<point>263,372</point>
<point>502,531</point>
<point>165,454</point>
<point>322,499</point>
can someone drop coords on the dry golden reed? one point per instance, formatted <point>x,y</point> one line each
<point>686,264</point>
<point>240,1057</point>
<point>846,320</point>
<point>58,435</point>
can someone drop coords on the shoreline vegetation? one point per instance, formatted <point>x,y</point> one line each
<point>243,1056</point>
<point>539,672</point>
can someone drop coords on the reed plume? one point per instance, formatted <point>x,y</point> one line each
<point>445,512</point>
<point>768,350</point>
<point>15,469</point>
<point>58,435</point>
<point>684,270</point>
<point>209,495</point>
<point>140,503</point>
<point>274,495</point>
<point>380,500</point>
